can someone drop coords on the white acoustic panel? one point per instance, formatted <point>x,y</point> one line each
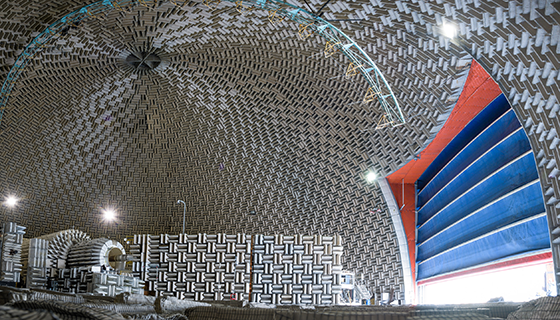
<point>279,269</point>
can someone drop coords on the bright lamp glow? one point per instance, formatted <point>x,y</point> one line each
<point>11,201</point>
<point>109,215</point>
<point>449,30</point>
<point>480,288</point>
<point>371,177</point>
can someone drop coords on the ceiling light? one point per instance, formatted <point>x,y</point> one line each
<point>371,177</point>
<point>109,215</point>
<point>449,30</point>
<point>11,201</point>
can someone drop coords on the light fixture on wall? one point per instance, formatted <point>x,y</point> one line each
<point>448,30</point>
<point>371,177</point>
<point>11,201</point>
<point>109,214</point>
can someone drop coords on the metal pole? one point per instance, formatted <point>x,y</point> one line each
<point>184,212</point>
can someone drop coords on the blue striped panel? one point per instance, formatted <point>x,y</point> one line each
<point>488,115</point>
<point>480,200</point>
<point>520,204</point>
<point>503,181</point>
<point>516,240</point>
<point>501,154</point>
<point>499,130</point>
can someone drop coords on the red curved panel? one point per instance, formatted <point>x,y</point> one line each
<point>479,90</point>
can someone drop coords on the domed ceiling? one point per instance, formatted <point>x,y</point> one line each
<point>253,127</point>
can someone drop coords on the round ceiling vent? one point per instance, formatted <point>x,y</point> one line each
<point>143,60</point>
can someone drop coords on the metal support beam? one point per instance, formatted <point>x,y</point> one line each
<point>401,239</point>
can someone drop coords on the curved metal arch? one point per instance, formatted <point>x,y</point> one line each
<point>379,90</point>
<point>360,62</point>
